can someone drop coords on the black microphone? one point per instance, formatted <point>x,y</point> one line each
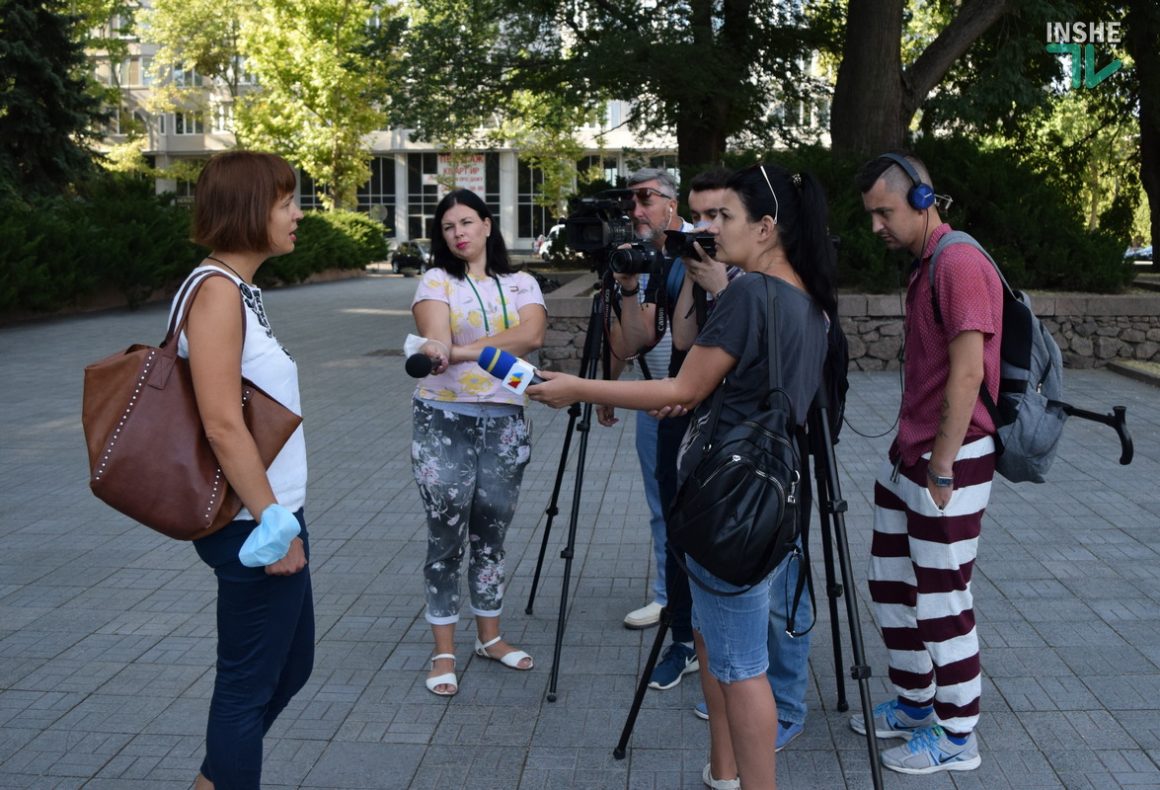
<point>418,366</point>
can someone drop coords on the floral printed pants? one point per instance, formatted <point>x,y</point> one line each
<point>469,470</point>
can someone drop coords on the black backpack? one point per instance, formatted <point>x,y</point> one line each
<point>1029,416</point>
<point>736,511</point>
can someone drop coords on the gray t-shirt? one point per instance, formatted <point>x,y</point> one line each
<point>738,326</point>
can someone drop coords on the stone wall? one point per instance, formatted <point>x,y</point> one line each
<point>1091,330</point>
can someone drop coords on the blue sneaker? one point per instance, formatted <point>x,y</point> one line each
<point>929,751</point>
<point>676,661</point>
<point>890,721</point>
<point>786,732</point>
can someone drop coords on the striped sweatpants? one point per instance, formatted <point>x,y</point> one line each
<point>921,560</point>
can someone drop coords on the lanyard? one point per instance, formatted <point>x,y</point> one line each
<point>483,307</point>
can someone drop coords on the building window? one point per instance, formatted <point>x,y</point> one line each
<point>377,196</point>
<point>186,78</point>
<point>188,123</point>
<point>308,194</point>
<point>531,219</point>
<point>422,194</point>
<point>597,168</point>
<point>223,118</point>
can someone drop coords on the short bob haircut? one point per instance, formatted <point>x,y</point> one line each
<point>234,196</point>
<point>442,256</point>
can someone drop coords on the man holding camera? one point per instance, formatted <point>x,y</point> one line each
<point>635,334</point>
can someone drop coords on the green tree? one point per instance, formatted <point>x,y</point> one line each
<point>199,37</point>
<point>46,110</point>
<point>1143,24</point>
<point>324,68</point>
<point>706,69</point>
<point>876,97</point>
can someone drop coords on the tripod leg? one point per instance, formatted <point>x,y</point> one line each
<point>830,499</point>
<point>592,344</point>
<point>833,593</point>
<point>642,686</point>
<point>553,509</point>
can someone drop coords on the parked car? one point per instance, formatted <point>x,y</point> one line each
<point>550,241</point>
<point>412,254</point>
<point>1141,255</point>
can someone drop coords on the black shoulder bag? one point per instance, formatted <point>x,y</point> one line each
<point>736,512</point>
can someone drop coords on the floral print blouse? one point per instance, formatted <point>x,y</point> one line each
<point>477,310</point>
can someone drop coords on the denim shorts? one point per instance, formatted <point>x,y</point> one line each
<point>735,628</point>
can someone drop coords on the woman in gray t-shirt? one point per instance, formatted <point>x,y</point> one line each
<point>773,225</point>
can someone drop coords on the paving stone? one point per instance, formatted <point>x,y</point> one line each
<point>107,629</point>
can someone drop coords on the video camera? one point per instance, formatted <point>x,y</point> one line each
<point>601,229</point>
<point>679,244</point>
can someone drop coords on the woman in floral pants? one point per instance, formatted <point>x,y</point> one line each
<point>471,442</point>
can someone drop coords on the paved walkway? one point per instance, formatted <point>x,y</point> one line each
<point>107,636</point>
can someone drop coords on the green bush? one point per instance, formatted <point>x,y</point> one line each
<point>327,240</point>
<point>114,232</point>
<point>1034,229</point>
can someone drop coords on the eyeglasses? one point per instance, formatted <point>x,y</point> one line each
<point>776,205</point>
<point>644,195</point>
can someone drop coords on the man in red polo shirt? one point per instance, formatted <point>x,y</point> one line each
<point>930,497</point>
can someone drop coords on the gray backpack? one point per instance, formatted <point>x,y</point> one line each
<point>1029,415</point>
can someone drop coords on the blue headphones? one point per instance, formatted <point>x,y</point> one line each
<point>921,195</point>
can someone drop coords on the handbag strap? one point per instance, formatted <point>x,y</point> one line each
<point>185,302</point>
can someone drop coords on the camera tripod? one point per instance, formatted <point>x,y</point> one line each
<point>831,512</point>
<point>593,344</point>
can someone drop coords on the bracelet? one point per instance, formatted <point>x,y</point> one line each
<point>633,292</point>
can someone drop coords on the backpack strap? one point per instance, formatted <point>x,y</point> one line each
<point>773,353</point>
<point>771,348</point>
<point>961,237</point>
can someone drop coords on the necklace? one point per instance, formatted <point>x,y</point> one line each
<point>223,263</point>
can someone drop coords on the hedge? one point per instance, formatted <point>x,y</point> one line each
<point>116,233</point>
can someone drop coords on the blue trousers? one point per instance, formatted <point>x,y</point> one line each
<point>265,654</point>
<point>647,429</point>
<point>789,669</point>
<point>789,657</point>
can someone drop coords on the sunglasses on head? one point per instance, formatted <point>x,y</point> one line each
<point>644,195</point>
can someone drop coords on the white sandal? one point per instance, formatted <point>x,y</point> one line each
<point>511,660</point>
<point>446,679</point>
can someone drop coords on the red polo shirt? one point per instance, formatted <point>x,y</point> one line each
<point>970,297</point>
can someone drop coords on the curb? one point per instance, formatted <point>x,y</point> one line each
<point>1133,372</point>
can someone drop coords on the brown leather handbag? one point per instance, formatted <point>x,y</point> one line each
<point>149,457</point>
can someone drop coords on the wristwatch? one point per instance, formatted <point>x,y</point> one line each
<point>939,480</point>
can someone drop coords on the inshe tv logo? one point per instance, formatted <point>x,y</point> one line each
<point>1070,38</point>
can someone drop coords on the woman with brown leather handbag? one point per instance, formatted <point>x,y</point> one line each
<point>245,212</point>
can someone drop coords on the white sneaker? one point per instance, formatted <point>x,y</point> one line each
<point>644,617</point>
<point>719,784</point>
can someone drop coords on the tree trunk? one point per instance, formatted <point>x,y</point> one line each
<point>874,100</point>
<point>866,116</point>
<point>701,135</point>
<point>1143,30</point>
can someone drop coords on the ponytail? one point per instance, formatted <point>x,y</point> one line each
<point>798,203</point>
